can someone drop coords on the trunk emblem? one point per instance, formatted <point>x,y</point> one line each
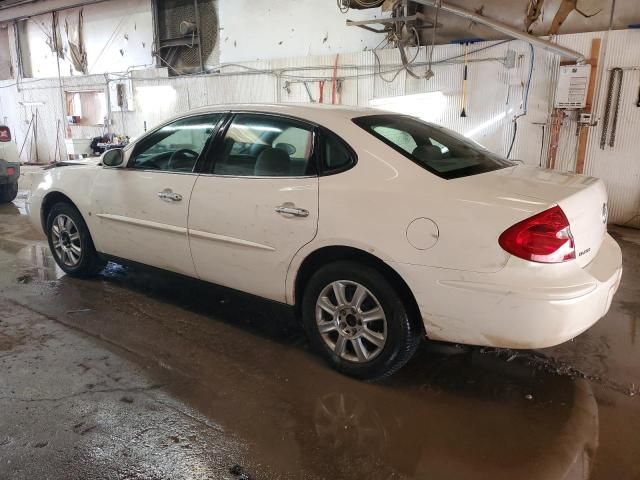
<point>605,213</point>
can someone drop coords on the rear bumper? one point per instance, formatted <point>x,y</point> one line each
<point>523,306</point>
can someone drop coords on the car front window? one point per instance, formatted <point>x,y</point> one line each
<point>176,146</point>
<point>436,149</point>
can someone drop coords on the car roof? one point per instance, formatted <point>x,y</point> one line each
<point>320,113</point>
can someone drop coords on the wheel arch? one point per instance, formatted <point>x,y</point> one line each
<point>328,254</point>
<point>49,200</point>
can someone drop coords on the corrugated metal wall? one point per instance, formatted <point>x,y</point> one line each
<point>496,95</point>
<point>619,166</point>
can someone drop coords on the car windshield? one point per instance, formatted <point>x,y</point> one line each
<point>436,149</point>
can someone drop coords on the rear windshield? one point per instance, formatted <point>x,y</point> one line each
<point>436,149</point>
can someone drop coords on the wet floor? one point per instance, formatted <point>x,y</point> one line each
<point>145,375</point>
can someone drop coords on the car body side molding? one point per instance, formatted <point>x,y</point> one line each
<point>143,223</point>
<point>226,239</point>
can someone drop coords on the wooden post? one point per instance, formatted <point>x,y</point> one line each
<point>583,136</point>
<point>556,122</point>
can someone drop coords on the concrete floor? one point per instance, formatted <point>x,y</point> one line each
<point>145,376</point>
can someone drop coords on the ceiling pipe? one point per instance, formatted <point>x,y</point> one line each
<point>506,29</point>
<point>25,9</point>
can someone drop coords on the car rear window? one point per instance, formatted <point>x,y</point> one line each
<point>436,149</point>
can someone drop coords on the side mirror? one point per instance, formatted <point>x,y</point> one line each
<point>113,157</point>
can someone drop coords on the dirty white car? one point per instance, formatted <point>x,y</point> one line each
<point>379,228</point>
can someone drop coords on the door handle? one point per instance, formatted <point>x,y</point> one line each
<point>167,194</point>
<point>289,209</point>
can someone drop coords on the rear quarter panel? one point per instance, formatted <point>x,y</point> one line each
<point>371,206</point>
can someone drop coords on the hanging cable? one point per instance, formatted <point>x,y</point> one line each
<point>513,138</point>
<point>525,102</point>
<point>403,54</point>
<point>429,73</point>
<point>528,87</point>
<point>343,5</point>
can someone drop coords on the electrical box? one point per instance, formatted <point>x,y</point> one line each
<point>121,96</point>
<point>573,83</point>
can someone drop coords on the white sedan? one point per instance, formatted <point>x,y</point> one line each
<point>379,229</point>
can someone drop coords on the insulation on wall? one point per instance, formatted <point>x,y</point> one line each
<point>498,77</point>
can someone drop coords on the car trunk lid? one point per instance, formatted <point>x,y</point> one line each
<point>583,200</point>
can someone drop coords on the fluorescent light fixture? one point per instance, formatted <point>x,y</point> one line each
<point>31,104</point>
<point>487,124</point>
<point>156,98</point>
<point>428,106</point>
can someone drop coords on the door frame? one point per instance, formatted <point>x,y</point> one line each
<point>224,115</point>
<point>210,154</point>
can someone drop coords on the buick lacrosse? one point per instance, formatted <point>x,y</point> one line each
<point>379,229</point>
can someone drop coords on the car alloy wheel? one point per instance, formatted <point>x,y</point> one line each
<point>66,240</point>
<point>351,321</point>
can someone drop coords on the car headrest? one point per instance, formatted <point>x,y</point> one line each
<point>272,162</point>
<point>427,153</point>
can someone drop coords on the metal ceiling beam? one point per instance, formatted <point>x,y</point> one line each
<point>506,29</point>
<point>26,8</point>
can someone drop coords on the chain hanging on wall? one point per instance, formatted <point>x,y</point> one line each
<point>612,108</point>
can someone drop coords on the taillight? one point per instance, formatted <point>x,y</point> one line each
<point>5,134</point>
<point>545,238</point>
<point>10,171</point>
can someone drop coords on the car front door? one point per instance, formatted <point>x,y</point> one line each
<point>256,205</point>
<point>142,209</point>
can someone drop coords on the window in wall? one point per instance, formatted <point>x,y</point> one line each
<point>86,108</point>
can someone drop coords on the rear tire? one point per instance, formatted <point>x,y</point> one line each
<point>8,192</point>
<point>357,321</point>
<point>70,242</point>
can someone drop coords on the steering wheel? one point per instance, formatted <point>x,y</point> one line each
<point>185,152</point>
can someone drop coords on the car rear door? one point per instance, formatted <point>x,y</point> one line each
<point>256,204</point>
<point>142,209</point>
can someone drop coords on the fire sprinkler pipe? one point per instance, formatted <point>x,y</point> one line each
<point>506,29</point>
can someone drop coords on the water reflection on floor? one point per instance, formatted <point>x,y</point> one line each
<point>243,364</point>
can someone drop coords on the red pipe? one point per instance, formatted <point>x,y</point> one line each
<point>334,80</point>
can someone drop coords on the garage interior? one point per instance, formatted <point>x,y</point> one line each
<point>144,375</point>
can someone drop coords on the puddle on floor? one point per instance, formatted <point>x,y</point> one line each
<point>244,364</point>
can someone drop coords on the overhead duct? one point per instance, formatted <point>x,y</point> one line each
<point>186,34</point>
<point>506,29</point>
<point>359,4</point>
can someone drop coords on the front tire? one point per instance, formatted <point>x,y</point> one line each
<point>358,321</point>
<point>8,192</point>
<point>70,242</point>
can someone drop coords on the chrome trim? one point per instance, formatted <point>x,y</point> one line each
<point>292,210</point>
<point>143,223</point>
<point>225,239</point>
<point>255,176</point>
<point>168,194</point>
<point>130,169</point>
